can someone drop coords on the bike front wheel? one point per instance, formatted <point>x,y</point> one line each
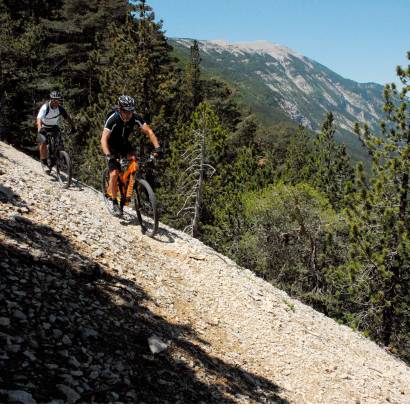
<point>145,206</point>
<point>63,167</point>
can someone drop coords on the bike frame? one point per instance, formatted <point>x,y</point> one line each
<point>55,144</point>
<point>126,180</point>
<point>131,181</point>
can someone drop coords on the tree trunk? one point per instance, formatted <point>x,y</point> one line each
<point>198,201</point>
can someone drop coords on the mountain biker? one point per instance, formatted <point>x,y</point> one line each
<point>115,144</point>
<point>48,118</point>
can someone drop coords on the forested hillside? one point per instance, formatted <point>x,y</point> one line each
<point>277,200</point>
<point>280,83</point>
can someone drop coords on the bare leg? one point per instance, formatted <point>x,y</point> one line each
<point>43,151</point>
<point>113,186</point>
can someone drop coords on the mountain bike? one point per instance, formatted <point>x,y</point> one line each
<point>134,189</point>
<point>57,158</point>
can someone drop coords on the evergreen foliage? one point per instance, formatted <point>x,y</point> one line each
<point>287,240</point>
<point>329,166</point>
<point>296,166</point>
<point>378,271</point>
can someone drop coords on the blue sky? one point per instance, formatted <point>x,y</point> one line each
<point>363,40</point>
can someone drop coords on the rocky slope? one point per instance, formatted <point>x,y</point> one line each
<point>277,82</point>
<point>93,311</point>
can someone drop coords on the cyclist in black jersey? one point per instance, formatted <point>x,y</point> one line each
<point>114,141</point>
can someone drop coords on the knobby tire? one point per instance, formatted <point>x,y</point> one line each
<point>146,207</point>
<point>64,171</point>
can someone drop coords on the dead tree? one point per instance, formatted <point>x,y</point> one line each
<point>191,182</point>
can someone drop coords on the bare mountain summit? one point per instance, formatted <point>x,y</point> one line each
<point>93,311</point>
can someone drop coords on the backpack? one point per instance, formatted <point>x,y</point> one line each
<point>113,110</point>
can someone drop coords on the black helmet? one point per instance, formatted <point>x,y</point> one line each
<point>126,103</point>
<point>55,95</point>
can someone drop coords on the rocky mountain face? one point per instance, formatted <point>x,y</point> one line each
<point>277,83</point>
<point>92,311</point>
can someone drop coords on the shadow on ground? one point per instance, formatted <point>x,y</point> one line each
<point>72,332</point>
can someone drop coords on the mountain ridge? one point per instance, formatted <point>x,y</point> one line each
<point>278,82</point>
<point>83,293</point>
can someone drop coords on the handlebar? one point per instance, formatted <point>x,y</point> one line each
<point>141,161</point>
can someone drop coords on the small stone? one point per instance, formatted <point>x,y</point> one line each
<point>132,394</point>
<point>71,395</point>
<point>18,314</point>
<point>4,321</point>
<point>21,219</point>
<point>87,332</point>
<point>74,362</point>
<point>23,210</point>
<point>127,381</point>
<point>156,345</point>
<point>14,348</point>
<point>241,397</point>
<point>164,382</point>
<point>69,379</point>
<point>57,333</point>
<point>30,355</point>
<point>93,375</point>
<point>20,396</point>
<point>98,253</point>
<point>66,340</point>
<point>7,193</point>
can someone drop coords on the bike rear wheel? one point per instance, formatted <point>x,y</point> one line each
<point>145,205</point>
<point>64,171</point>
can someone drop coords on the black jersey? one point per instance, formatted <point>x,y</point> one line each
<point>120,130</point>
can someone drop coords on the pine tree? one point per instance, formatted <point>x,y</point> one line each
<point>378,213</point>
<point>135,62</point>
<point>192,178</point>
<point>191,90</point>
<point>296,167</point>
<point>329,164</point>
<point>194,75</point>
<point>70,40</point>
<point>19,38</point>
<point>204,135</point>
<point>286,237</point>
